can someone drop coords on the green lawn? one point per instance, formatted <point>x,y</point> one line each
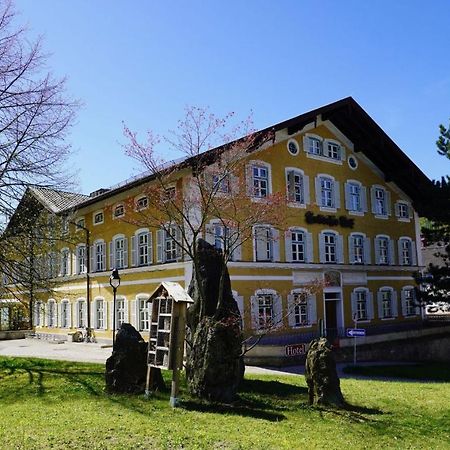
<point>419,371</point>
<point>50,404</point>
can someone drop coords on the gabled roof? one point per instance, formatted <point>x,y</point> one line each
<point>367,137</point>
<point>57,201</point>
<point>174,290</point>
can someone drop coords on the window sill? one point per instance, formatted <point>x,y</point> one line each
<point>299,327</point>
<point>356,213</point>
<point>388,318</point>
<point>383,217</point>
<point>327,209</point>
<point>297,205</point>
<point>404,219</point>
<point>324,159</point>
<point>259,199</point>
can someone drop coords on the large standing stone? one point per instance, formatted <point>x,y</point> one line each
<point>321,376</point>
<point>126,368</point>
<point>214,366</point>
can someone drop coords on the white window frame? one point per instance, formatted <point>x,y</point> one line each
<point>271,237</point>
<point>118,205</point>
<point>81,313</point>
<point>361,203</point>
<point>38,314</point>
<point>65,262</point>
<point>120,254</point>
<point>293,143</point>
<point>325,247</point>
<point>356,301</point>
<point>297,244</point>
<point>364,247</point>
<point>143,313</point>
<point>405,300</point>
<point>65,314</point>
<point>254,191</point>
<point>403,211</point>
<point>389,250</point>
<point>81,259</point>
<point>121,311</point>
<point>276,310</point>
<point>300,188</point>
<point>320,150</point>
<point>95,214</point>
<point>333,189</point>
<point>99,258</point>
<point>381,210</point>
<point>393,309</point>
<point>52,313</point>
<point>143,256</point>
<point>406,258</point>
<point>141,199</point>
<point>100,319</point>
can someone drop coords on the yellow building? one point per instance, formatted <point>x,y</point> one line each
<point>352,197</point>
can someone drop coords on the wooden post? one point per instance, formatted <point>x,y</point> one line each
<point>179,327</point>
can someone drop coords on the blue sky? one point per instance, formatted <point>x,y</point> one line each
<point>143,61</point>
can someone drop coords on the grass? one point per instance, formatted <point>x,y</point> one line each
<point>52,404</point>
<point>417,371</point>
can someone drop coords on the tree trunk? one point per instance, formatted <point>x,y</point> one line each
<point>214,366</point>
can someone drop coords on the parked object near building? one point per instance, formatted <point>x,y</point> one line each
<point>353,199</point>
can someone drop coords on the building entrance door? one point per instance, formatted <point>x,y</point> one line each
<point>332,302</point>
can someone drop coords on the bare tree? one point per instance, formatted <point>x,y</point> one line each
<point>207,182</point>
<point>35,117</point>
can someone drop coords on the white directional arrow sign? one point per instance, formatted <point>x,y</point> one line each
<point>356,332</point>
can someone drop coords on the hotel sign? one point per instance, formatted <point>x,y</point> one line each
<point>296,349</point>
<point>438,311</point>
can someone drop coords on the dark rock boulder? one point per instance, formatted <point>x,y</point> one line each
<point>214,367</point>
<point>321,376</point>
<point>126,368</point>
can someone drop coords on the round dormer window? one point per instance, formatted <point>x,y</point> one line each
<point>293,147</point>
<point>352,162</point>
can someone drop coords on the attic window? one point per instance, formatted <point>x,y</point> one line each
<point>352,162</point>
<point>98,218</point>
<point>142,203</point>
<point>293,147</point>
<point>119,211</point>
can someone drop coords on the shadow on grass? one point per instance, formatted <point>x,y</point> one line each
<point>238,408</point>
<point>38,371</point>
<point>353,413</point>
<point>257,398</point>
<point>272,388</point>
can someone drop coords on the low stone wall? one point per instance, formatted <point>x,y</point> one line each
<point>16,334</point>
<point>415,345</point>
